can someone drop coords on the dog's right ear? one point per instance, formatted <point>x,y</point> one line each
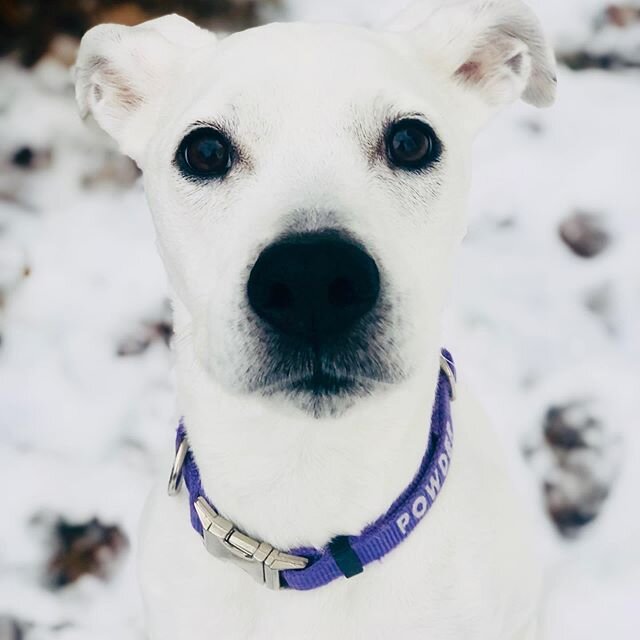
<point>494,49</point>
<point>122,73</point>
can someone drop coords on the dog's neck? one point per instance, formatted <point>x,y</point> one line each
<point>295,480</point>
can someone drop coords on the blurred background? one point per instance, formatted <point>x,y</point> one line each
<point>544,318</point>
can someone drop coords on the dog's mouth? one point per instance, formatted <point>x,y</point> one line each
<point>320,385</point>
<point>325,379</point>
<point>321,394</point>
<point>326,385</point>
<point>323,387</point>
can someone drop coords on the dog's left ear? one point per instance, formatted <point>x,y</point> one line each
<point>123,74</point>
<point>494,48</point>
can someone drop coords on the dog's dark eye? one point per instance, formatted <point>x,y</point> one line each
<point>205,153</point>
<point>412,144</point>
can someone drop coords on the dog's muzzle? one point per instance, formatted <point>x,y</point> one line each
<point>319,303</point>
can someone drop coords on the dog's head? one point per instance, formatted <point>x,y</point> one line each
<point>308,181</point>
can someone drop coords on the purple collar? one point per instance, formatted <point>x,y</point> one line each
<point>345,555</point>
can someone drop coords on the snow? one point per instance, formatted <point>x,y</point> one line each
<point>531,324</point>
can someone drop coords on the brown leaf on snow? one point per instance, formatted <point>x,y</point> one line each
<point>584,234</point>
<point>622,15</point>
<point>90,548</point>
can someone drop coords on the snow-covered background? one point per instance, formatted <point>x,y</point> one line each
<point>544,319</point>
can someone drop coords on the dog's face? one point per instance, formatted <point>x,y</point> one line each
<point>308,181</point>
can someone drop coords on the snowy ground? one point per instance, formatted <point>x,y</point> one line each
<point>86,391</point>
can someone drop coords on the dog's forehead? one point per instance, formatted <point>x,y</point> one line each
<point>297,68</point>
<point>306,46</point>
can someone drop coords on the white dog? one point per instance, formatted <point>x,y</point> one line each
<point>308,187</point>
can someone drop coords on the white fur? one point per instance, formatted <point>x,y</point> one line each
<point>307,104</point>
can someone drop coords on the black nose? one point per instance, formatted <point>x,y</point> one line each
<point>314,286</point>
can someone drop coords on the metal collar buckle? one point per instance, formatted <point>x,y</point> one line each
<point>259,559</point>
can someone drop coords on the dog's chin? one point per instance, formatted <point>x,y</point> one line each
<point>321,396</point>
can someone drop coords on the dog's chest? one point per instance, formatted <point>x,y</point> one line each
<point>410,590</point>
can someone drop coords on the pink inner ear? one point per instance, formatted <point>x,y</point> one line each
<point>470,71</point>
<point>485,64</point>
